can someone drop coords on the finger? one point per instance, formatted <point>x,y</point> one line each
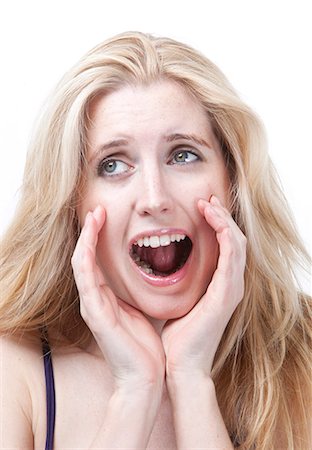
<point>89,234</point>
<point>93,223</point>
<point>214,217</point>
<point>95,296</point>
<point>87,238</point>
<point>213,200</point>
<point>99,215</point>
<point>83,260</point>
<point>228,279</point>
<point>85,275</point>
<point>218,216</point>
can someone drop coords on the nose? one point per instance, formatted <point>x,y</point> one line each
<point>153,194</point>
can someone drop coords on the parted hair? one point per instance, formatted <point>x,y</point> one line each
<point>262,368</point>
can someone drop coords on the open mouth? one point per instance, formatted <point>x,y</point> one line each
<point>161,256</point>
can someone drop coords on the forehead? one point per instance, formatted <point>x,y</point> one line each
<point>163,107</point>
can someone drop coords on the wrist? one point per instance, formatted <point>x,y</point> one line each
<point>188,378</point>
<point>189,386</point>
<point>197,417</point>
<point>139,388</point>
<point>134,412</point>
<point>138,392</point>
<point>135,399</point>
<point>141,405</point>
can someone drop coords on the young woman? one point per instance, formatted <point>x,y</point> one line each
<point>148,278</point>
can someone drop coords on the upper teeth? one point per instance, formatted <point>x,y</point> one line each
<point>159,241</point>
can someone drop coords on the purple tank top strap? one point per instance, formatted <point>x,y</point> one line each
<point>50,392</point>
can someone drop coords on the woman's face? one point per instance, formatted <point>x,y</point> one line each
<point>152,155</point>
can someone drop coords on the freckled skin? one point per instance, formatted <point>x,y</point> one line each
<point>153,192</point>
<point>153,165</point>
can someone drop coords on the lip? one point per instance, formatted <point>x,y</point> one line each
<point>169,280</point>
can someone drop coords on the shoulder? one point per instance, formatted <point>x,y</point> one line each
<point>20,371</point>
<point>19,357</point>
<point>19,346</point>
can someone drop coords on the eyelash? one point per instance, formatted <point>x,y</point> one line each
<point>101,166</point>
<point>184,151</point>
<point>102,163</point>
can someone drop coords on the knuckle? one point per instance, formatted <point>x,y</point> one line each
<point>228,231</point>
<point>84,287</point>
<point>243,240</point>
<point>83,311</point>
<point>73,258</point>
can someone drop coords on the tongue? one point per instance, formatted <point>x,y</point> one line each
<point>161,259</point>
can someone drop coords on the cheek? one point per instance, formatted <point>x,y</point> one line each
<point>111,236</point>
<point>89,201</point>
<point>204,189</point>
<point>96,195</point>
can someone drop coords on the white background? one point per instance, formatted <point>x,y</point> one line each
<point>264,48</point>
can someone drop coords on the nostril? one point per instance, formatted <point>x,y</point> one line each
<point>153,208</point>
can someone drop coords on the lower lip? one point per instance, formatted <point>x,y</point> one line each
<point>169,280</point>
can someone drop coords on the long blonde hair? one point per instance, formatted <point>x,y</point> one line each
<point>262,366</point>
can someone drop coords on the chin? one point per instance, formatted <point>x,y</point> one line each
<point>167,308</point>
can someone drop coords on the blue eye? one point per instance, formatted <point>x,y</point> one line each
<point>184,157</point>
<point>111,167</point>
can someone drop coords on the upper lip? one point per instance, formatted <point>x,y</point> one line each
<point>158,232</point>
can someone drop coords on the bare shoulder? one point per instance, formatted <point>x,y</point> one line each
<point>19,358</point>
<point>19,348</point>
<point>20,370</point>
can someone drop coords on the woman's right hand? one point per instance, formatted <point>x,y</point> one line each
<point>129,343</point>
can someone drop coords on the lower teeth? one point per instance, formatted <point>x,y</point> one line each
<point>148,269</point>
<point>145,267</point>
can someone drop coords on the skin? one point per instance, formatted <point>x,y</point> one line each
<point>154,191</point>
<point>148,368</point>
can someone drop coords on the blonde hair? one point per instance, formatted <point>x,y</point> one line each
<point>262,366</point>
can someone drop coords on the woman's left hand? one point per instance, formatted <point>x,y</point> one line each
<point>191,342</point>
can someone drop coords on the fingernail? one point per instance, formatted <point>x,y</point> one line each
<point>97,210</point>
<point>88,217</point>
<point>201,203</point>
<point>214,200</point>
<point>98,213</point>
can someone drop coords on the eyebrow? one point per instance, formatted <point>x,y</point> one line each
<point>115,143</point>
<point>188,137</point>
<point>111,144</point>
